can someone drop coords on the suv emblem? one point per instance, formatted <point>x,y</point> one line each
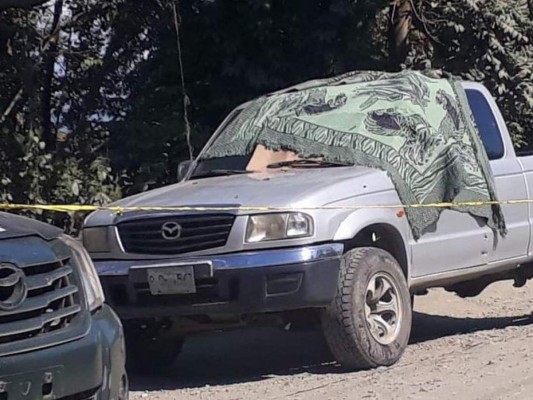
<point>13,289</point>
<point>171,230</point>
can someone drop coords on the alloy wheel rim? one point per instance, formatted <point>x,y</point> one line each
<point>383,308</point>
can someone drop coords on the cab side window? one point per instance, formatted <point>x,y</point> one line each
<point>486,123</point>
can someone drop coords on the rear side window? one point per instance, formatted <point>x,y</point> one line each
<point>486,123</point>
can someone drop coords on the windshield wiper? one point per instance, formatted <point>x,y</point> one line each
<point>307,163</point>
<point>222,172</point>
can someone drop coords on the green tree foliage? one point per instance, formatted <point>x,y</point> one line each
<point>232,51</point>
<point>91,104</point>
<point>489,41</point>
<point>61,65</point>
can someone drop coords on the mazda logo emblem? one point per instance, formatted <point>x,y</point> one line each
<point>171,230</point>
<point>13,289</point>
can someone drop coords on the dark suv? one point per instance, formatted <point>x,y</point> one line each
<point>58,339</point>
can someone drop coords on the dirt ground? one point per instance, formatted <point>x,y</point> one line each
<point>478,348</point>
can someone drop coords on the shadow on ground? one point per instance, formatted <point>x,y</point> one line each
<point>253,355</point>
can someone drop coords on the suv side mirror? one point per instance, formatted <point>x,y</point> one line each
<point>184,168</point>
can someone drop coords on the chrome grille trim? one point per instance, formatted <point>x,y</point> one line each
<point>33,324</point>
<point>54,310</point>
<point>44,280</point>
<point>36,303</point>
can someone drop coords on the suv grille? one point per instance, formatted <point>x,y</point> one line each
<point>51,303</point>
<point>199,232</point>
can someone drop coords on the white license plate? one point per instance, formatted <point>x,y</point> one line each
<point>171,280</point>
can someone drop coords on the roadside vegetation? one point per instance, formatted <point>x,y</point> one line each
<point>100,99</point>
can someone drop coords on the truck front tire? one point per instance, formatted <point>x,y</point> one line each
<point>149,352</point>
<point>369,322</point>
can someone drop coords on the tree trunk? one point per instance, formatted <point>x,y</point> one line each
<point>49,66</point>
<point>530,6</point>
<point>400,19</point>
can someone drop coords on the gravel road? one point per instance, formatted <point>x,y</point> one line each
<point>478,348</point>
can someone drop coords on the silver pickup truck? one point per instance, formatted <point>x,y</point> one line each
<point>353,270</point>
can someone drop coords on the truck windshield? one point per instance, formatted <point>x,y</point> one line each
<point>207,168</point>
<point>260,160</point>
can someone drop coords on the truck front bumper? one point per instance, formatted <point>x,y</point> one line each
<point>236,284</point>
<point>92,367</point>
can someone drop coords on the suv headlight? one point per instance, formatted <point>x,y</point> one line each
<point>96,240</point>
<point>89,278</point>
<point>279,226</point>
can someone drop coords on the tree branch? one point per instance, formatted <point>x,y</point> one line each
<point>421,23</point>
<point>5,4</point>
<point>11,105</point>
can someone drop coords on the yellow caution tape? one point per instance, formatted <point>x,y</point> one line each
<point>121,209</point>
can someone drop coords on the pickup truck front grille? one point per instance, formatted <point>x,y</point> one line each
<point>183,234</point>
<point>52,302</point>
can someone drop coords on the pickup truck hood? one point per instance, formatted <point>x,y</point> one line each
<point>297,188</point>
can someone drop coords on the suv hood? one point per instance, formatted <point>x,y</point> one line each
<point>295,188</point>
<point>12,226</point>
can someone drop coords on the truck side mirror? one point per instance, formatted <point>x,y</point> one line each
<point>183,169</point>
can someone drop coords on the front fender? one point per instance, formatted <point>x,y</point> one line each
<point>360,219</point>
<point>363,218</point>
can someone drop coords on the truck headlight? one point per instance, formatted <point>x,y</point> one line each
<point>265,227</point>
<point>96,240</point>
<point>89,278</point>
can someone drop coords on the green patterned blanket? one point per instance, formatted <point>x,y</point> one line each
<point>416,126</point>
